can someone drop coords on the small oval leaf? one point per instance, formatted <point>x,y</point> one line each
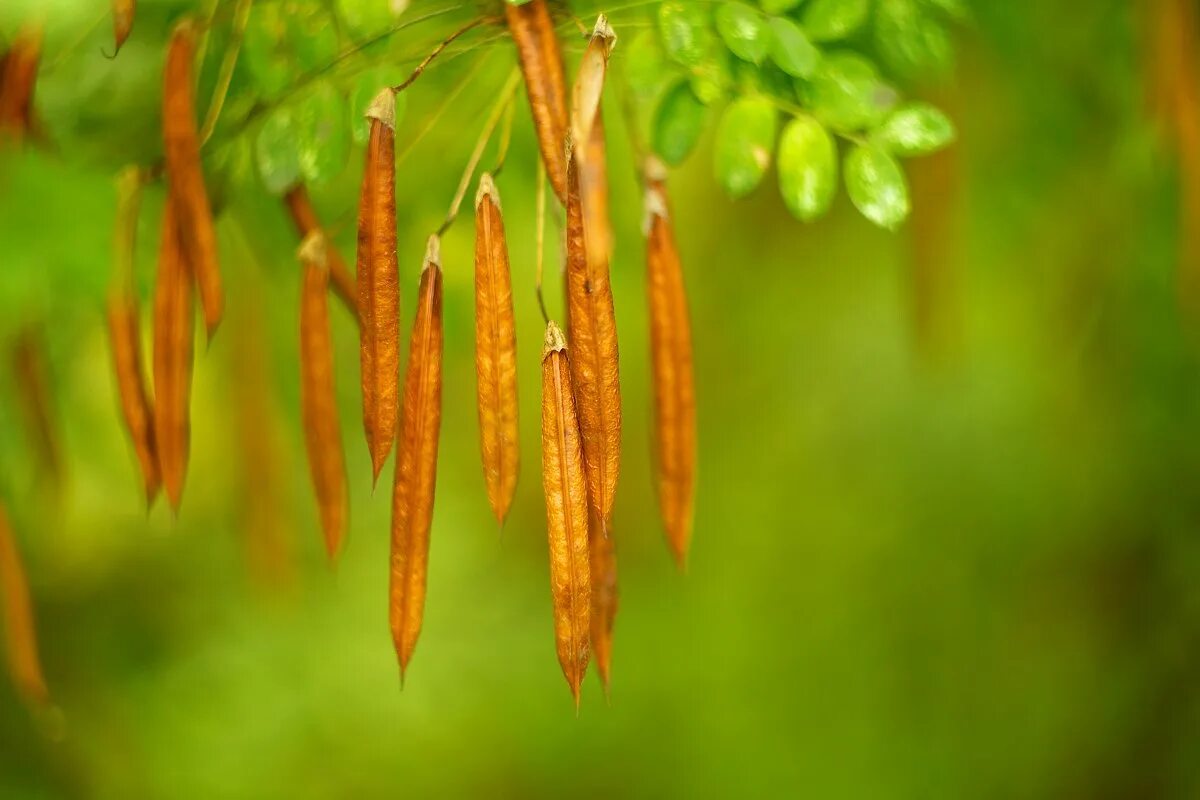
<point>745,32</point>
<point>877,186</point>
<point>915,129</point>
<point>830,20</point>
<point>322,135</point>
<point>778,6</point>
<point>678,123</point>
<point>847,94</point>
<point>745,140</point>
<point>807,168</point>
<point>276,152</point>
<point>791,50</point>
<point>686,31</point>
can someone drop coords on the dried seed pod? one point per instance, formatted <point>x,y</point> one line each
<point>18,79</point>
<point>304,217</point>
<point>185,176</point>
<point>173,333</point>
<point>124,331</point>
<point>123,12</point>
<point>495,351</point>
<point>593,182</point>
<point>604,596</point>
<point>589,83</point>
<point>378,282</point>
<point>20,634</point>
<point>318,396</point>
<point>545,82</point>
<point>31,375</point>
<point>416,461</point>
<point>594,360</point>
<point>671,364</point>
<point>566,511</point>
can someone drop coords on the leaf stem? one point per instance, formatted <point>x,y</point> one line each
<point>416,73</point>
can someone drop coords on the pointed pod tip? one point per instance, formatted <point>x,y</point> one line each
<point>604,32</point>
<point>383,108</point>
<point>654,170</point>
<point>313,250</point>
<point>655,207</point>
<point>487,188</point>
<point>555,341</point>
<point>433,253</point>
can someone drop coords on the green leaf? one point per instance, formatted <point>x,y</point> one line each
<point>915,129</point>
<point>366,18</point>
<point>877,186</point>
<point>311,37</point>
<point>830,20</point>
<point>847,94</point>
<point>645,65</point>
<point>363,92</point>
<point>712,77</point>
<point>322,135</point>
<point>745,140</point>
<point>745,32</point>
<point>276,151</point>
<point>678,124</point>
<point>264,52</point>
<point>779,6</point>
<point>686,31</point>
<point>955,9</point>
<point>807,168</point>
<point>911,43</point>
<point>791,50</point>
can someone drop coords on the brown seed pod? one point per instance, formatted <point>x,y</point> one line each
<point>671,364</point>
<point>495,351</point>
<point>124,332</point>
<point>304,217</point>
<point>566,511</point>
<point>318,396</point>
<point>378,282</point>
<point>173,333</point>
<point>31,374</point>
<point>589,83</point>
<point>416,461</point>
<point>123,12</point>
<point>594,359</point>
<point>18,79</point>
<point>604,596</point>
<point>185,176</point>
<point>20,633</point>
<point>593,182</point>
<point>545,82</point>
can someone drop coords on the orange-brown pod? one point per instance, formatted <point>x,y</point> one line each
<point>173,334</point>
<point>566,511</point>
<point>604,597</point>
<point>31,375</point>
<point>378,282</point>
<point>304,217</point>
<point>318,396</point>
<point>593,181</point>
<point>594,357</point>
<point>20,633</point>
<point>416,461</point>
<point>545,82</point>
<point>124,332</point>
<point>674,429</point>
<point>185,177</point>
<point>18,79</point>
<point>123,12</point>
<point>495,351</point>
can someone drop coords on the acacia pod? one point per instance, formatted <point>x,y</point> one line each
<point>185,176</point>
<point>603,556</point>
<point>304,217</point>
<point>378,282</point>
<point>495,351</point>
<point>123,12</point>
<point>32,379</point>
<point>18,79</point>
<point>674,433</point>
<point>545,82</point>
<point>124,332</point>
<point>173,334</point>
<point>20,632</point>
<point>416,461</point>
<point>594,361</point>
<point>589,83</point>
<point>566,511</point>
<point>318,396</point>
<point>593,181</point>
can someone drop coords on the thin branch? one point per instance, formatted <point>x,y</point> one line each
<point>541,236</point>
<point>505,137</point>
<point>441,110</point>
<point>416,73</point>
<point>241,15</point>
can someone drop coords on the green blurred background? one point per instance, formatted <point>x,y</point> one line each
<point>947,537</point>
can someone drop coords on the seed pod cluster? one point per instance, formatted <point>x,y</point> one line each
<point>20,633</point>
<point>318,396</point>
<point>378,286</point>
<point>416,462</point>
<point>541,63</point>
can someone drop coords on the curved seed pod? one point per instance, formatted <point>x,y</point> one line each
<point>416,461</point>
<point>304,217</point>
<point>185,177</point>
<point>545,82</point>
<point>495,351</point>
<point>378,282</point>
<point>589,83</point>
<point>173,332</point>
<point>593,182</point>
<point>20,634</point>
<point>18,79</point>
<point>318,396</point>
<point>594,361</point>
<point>124,331</point>
<point>671,363</point>
<point>604,596</point>
<point>123,12</point>
<point>566,511</point>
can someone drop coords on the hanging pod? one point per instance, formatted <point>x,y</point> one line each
<point>20,633</point>
<point>541,63</point>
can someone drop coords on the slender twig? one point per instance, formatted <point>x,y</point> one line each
<point>505,137</point>
<point>416,73</point>
<point>489,127</point>
<point>541,236</point>
<point>228,63</point>
<point>441,110</point>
